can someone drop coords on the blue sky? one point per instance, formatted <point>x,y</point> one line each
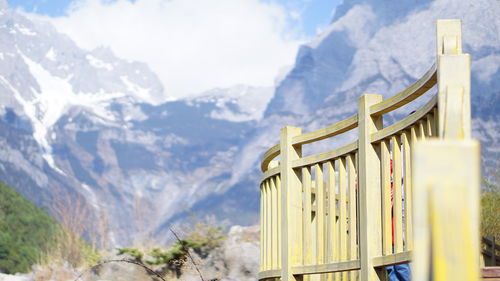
<point>314,14</point>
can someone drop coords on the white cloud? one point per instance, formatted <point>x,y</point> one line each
<point>193,45</point>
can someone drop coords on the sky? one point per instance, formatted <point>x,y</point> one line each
<point>192,45</point>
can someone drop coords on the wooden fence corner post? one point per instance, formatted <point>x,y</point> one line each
<point>291,202</point>
<point>453,74</point>
<point>370,237</point>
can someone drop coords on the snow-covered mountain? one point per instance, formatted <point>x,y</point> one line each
<point>88,125</point>
<point>92,127</point>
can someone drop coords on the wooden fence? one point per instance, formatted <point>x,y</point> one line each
<point>490,252</point>
<point>385,198</point>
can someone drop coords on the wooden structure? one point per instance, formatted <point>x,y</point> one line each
<point>491,252</point>
<point>399,193</point>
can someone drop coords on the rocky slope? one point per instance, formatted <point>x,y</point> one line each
<point>235,260</point>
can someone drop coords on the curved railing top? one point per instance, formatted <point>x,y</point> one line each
<point>417,89</point>
<point>420,87</point>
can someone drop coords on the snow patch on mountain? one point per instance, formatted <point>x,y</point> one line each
<point>237,104</point>
<point>97,63</point>
<point>53,100</point>
<point>51,55</point>
<point>24,30</point>
<point>141,92</point>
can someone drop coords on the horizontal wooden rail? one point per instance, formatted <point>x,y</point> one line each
<point>274,273</point>
<point>271,172</point>
<point>409,94</point>
<point>326,268</point>
<point>489,242</point>
<point>406,122</point>
<point>489,253</point>
<point>268,156</point>
<point>325,156</point>
<point>328,132</point>
<point>393,259</point>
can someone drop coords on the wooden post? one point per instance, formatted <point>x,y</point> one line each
<point>453,74</point>
<point>291,205</point>
<point>369,188</point>
<point>446,197</point>
<point>493,251</point>
<point>446,174</point>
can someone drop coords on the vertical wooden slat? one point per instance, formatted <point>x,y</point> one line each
<point>269,222</point>
<point>407,191</point>
<point>265,218</point>
<point>331,245</point>
<point>320,219</point>
<point>274,222</point>
<point>352,207</point>
<point>343,212</point>
<point>352,248</point>
<point>421,130</point>
<point>493,251</point>
<point>413,133</point>
<point>429,121</point>
<point>278,203</point>
<point>320,215</point>
<point>332,216</point>
<point>356,159</point>
<point>262,229</point>
<point>397,205</point>
<point>307,235</point>
<point>435,125</point>
<point>386,197</point>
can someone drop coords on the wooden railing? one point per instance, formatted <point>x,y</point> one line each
<point>490,252</point>
<point>347,213</point>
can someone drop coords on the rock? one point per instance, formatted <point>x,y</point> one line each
<point>236,260</point>
<point>17,277</point>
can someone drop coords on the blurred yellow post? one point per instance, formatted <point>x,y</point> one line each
<point>446,174</point>
<point>446,204</point>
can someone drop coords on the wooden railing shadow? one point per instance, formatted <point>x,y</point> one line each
<point>399,193</point>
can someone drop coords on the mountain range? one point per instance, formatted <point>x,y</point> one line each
<point>92,127</point>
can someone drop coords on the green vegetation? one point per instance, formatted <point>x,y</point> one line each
<point>490,208</point>
<point>26,232</point>
<point>202,239</point>
<point>28,235</point>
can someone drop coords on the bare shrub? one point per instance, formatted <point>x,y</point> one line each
<point>75,218</point>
